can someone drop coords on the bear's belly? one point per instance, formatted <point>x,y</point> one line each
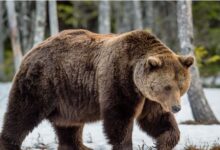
<point>68,122</point>
<point>76,113</point>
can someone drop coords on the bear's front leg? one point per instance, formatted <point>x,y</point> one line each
<point>160,125</point>
<point>118,125</point>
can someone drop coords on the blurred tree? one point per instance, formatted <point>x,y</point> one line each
<point>126,23</point>
<point>104,17</point>
<point>23,23</point>
<point>53,17</point>
<point>198,102</point>
<point>138,24</point>
<point>148,11</point>
<point>32,24</point>
<point>2,74</point>
<point>14,33</point>
<point>165,23</point>
<point>40,21</point>
<point>26,22</point>
<point>117,15</point>
<point>76,14</point>
<point>129,16</point>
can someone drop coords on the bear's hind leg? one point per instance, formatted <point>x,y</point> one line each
<point>70,138</point>
<point>160,125</point>
<point>28,106</point>
<point>19,120</point>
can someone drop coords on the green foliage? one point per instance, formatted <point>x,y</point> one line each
<point>65,13</point>
<point>9,65</point>
<point>200,53</point>
<point>78,14</point>
<point>206,16</point>
<point>208,64</point>
<point>213,59</point>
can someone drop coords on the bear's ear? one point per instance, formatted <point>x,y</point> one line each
<point>154,62</point>
<point>186,61</point>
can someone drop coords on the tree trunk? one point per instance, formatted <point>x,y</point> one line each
<point>137,18</point>
<point>24,29</point>
<point>2,75</point>
<point>14,34</point>
<point>148,14</point>
<point>40,21</point>
<point>198,102</point>
<point>54,29</point>
<point>161,17</point>
<point>173,41</point>
<point>76,13</point>
<point>32,29</point>
<point>126,16</point>
<point>104,17</point>
<point>118,15</point>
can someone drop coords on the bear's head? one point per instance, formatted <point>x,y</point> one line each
<point>163,78</point>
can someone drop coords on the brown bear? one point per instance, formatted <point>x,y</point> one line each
<point>78,77</point>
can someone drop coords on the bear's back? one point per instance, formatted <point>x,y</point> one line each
<point>71,42</point>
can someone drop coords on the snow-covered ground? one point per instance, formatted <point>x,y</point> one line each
<point>93,134</point>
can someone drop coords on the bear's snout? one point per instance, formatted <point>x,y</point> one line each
<point>176,108</point>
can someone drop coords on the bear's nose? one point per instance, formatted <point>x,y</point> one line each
<point>176,108</point>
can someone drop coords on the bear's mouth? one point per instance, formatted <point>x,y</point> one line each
<point>167,108</point>
<point>174,109</point>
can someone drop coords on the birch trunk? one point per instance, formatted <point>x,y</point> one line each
<point>173,41</point>
<point>149,14</point>
<point>14,34</point>
<point>24,20</point>
<point>137,18</point>
<point>40,21</point>
<point>1,43</point>
<point>32,29</point>
<point>198,102</point>
<point>54,29</point>
<point>104,17</point>
<point>118,15</point>
<point>126,16</point>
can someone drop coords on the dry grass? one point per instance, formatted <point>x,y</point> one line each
<point>217,147</point>
<point>189,146</point>
<point>205,146</point>
<point>192,147</point>
<point>144,147</point>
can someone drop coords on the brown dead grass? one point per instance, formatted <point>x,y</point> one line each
<point>215,146</point>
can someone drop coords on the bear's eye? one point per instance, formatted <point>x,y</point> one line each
<point>167,88</point>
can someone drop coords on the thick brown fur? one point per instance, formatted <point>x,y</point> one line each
<point>77,77</point>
